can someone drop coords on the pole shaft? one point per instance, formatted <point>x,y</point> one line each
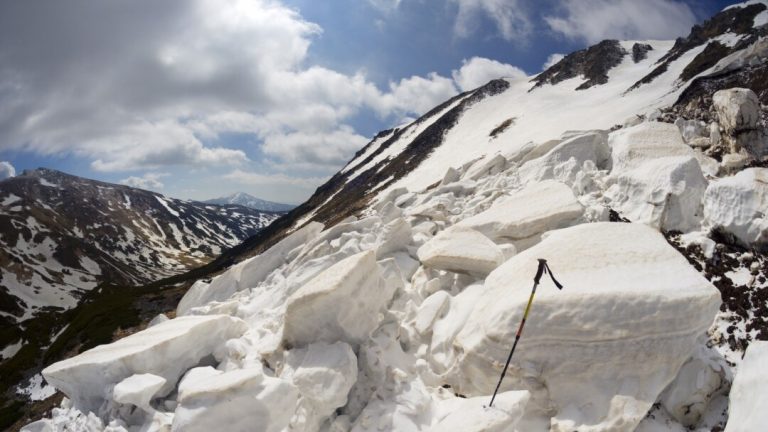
<point>514,345</point>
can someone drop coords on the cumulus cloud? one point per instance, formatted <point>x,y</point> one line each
<point>552,60</point>
<point>315,150</point>
<point>594,20</point>
<point>510,17</point>
<point>478,71</point>
<point>6,170</point>
<point>150,181</point>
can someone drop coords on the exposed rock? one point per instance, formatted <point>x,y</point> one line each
<point>592,63</point>
<point>640,52</point>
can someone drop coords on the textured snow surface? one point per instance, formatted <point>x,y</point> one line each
<point>461,249</point>
<point>738,204</point>
<point>749,394</point>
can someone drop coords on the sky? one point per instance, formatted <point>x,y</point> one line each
<point>198,99</point>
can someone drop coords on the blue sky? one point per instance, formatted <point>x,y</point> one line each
<point>202,98</point>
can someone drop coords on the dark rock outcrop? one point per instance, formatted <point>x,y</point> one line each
<point>592,63</point>
<point>640,52</point>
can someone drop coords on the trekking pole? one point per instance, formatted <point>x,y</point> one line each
<point>543,268</point>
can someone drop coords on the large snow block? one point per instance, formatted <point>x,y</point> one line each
<point>243,400</point>
<point>749,393</point>
<point>166,350</point>
<point>461,249</point>
<point>655,178</point>
<point>340,304</point>
<point>585,146</point>
<point>625,322</point>
<point>737,109</point>
<point>738,205</point>
<point>248,273</point>
<point>532,210</point>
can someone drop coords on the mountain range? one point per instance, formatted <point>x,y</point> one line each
<point>243,199</point>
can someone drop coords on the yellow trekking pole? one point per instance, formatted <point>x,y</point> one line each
<point>543,268</point>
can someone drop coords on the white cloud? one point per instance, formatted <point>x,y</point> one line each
<point>478,71</point>
<point>552,60</point>
<point>150,181</point>
<point>413,95</point>
<point>258,179</point>
<point>6,170</point>
<point>510,17</point>
<point>595,20</point>
<point>385,5</point>
<point>322,151</point>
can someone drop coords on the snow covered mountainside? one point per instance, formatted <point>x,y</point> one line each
<point>62,235</point>
<point>389,300</point>
<point>246,200</point>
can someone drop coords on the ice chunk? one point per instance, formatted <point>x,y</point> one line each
<point>138,390</point>
<point>242,400</point>
<point>248,273</point>
<point>323,374</point>
<point>738,205</point>
<point>167,350</point>
<point>655,178</point>
<point>627,319</point>
<point>340,304</point>
<point>461,249</point>
<point>472,415</point>
<point>532,210</point>
<point>749,393</point>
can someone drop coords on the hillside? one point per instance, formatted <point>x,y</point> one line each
<point>250,201</point>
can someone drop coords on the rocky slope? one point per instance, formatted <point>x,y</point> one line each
<point>62,235</point>
<point>250,201</point>
<point>389,299</point>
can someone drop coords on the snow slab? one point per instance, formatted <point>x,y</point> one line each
<point>532,210</point>
<point>625,322</point>
<point>461,249</point>
<point>655,178</point>
<point>738,204</point>
<point>243,400</point>
<point>340,304</point>
<point>138,390</point>
<point>473,414</point>
<point>166,350</point>
<point>749,393</point>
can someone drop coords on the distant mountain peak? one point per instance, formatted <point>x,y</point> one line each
<point>250,201</point>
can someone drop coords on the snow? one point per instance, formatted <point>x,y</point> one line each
<point>472,415</point>
<point>11,350</point>
<point>166,350</point>
<point>626,290</point>
<point>655,179</point>
<point>340,304</point>
<point>738,205</point>
<point>167,207</point>
<point>46,183</point>
<point>138,390</point>
<point>749,394</point>
<point>548,204</point>
<point>10,199</point>
<point>36,389</point>
<point>462,250</point>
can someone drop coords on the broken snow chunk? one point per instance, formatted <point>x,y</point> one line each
<point>461,249</point>
<point>488,165</point>
<point>432,308</point>
<point>625,322</point>
<point>138,390</point>
<point>340,304</point>
<point>532,210</point>
<point>689,394</point>
<point>737,109</point>
<point>738,206</point>
<point>472,415</point>
<point>240,400</point>
<point>749,393</point>
<point>575,150</point>
<point>167,350</point>
<point>655,178</point>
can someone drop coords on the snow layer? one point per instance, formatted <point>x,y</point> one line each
<point>749,394</point>
<point>625,322</point>
<point>166,350</point>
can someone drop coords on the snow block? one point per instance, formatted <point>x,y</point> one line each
<point>749,393</point>
<point>461,249</point>
<point>738,205</point>
<point>243,400</point>
<point>655,178</point>
<point>737,109</point>
<point>340,304</point>
<point>138,390</point>
<point>532,210</point>
<point>619,331</point>
<point>166,350</point>
<point>574,150</point>
<point>248,273</point>
<point>472,415</point>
